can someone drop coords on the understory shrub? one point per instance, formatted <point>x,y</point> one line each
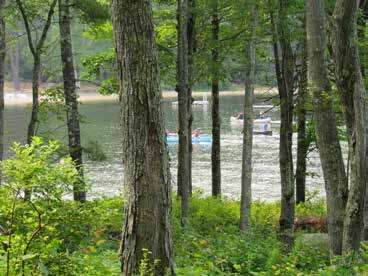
<point>51,235</point>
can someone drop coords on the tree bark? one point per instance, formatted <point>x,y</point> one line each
<point>362,21</point>
<point>70,94</point>
<point>246,178</point>
<point>146,164</point>
<point>303,145</point>
<point>326,130</point>
<point>185,111</point>
<point>216,119</point>
<point>36,48</point>
<point>284,61</point>
<point>15,67</point>
<point>191,50</point>
<point>351,87</point>
<point>2,75</point>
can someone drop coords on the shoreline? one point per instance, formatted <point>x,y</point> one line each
<point>89,94</point>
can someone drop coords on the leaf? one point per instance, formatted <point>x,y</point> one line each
<point>43,269</point>
<point>28,256</point>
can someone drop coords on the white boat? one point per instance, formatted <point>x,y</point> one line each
<point>204,102</point>
<point>15,96</point>
<point>261,126</point>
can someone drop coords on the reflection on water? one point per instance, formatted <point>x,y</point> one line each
<point>101,123</point>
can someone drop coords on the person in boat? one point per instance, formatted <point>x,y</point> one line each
<point>261,115</point>
<point>169,133</point>
<point>197,132</point>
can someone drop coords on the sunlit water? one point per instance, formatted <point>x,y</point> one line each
<point>101,123</point>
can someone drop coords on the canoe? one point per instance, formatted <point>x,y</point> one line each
<point>205,139</point>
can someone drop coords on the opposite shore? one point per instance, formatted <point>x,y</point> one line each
<point>89,93</point>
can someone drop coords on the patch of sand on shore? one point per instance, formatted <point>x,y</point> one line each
<point>88,93</point>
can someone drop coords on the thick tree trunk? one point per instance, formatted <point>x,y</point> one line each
<point>216,119</point>
<point>284,60</point>
<point>353,94</point>
<point>75,148</point>
<point>15,67</point>
<point>185,111</point>
<point>246,178</point>
<point>145,156</point>
<point>2,75</point>
<point>326,130</point>
<point>303,145</point>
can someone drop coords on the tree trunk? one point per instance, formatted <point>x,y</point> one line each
<point>303,145</point>
<point>15,67</point>
<point>191,50</point>
<point>216,119</point>
<point>32,126</point>
<point>284,60</point>
<point>2,75</point>
<point>246,178</point>
<point>146,163</point>
<point>363,54</point>
<point>326,130</point>
<point>352,91</point>
<point>36,48</point>
<point>72,114</point>
<point>185,111</point>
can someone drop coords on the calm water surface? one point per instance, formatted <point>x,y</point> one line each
<point>101,123</point>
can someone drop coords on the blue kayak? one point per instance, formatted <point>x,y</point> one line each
<point>202,139</point>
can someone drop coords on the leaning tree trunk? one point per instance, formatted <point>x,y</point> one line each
<point>145,156</point>
<point>246,178</point>
<point>36,48</point>
<point>216,119</point>
<point>353,94</point>
<point>75,148</point>
<point>303,145</point>
<point>284,61</point>
<point>326,130</point>
<point>2,75</point>
<point>32,126</point>
<point>185,110</point>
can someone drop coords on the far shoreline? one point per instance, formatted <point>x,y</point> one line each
<point>89,94</point>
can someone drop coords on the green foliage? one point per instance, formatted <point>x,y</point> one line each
<point>83,240</point>
<point>52,102</point>
<point>37,232</point>
<point>100,68</point>
<point>94,151</point>
<point>93,11</point>
<point>147,266</point>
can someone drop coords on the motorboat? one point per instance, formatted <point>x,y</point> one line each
<point>173,138</point>
<point>261,125</point>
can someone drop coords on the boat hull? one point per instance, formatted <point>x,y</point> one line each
<point>203,139</point>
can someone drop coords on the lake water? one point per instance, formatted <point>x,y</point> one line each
<point>101,123</point>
